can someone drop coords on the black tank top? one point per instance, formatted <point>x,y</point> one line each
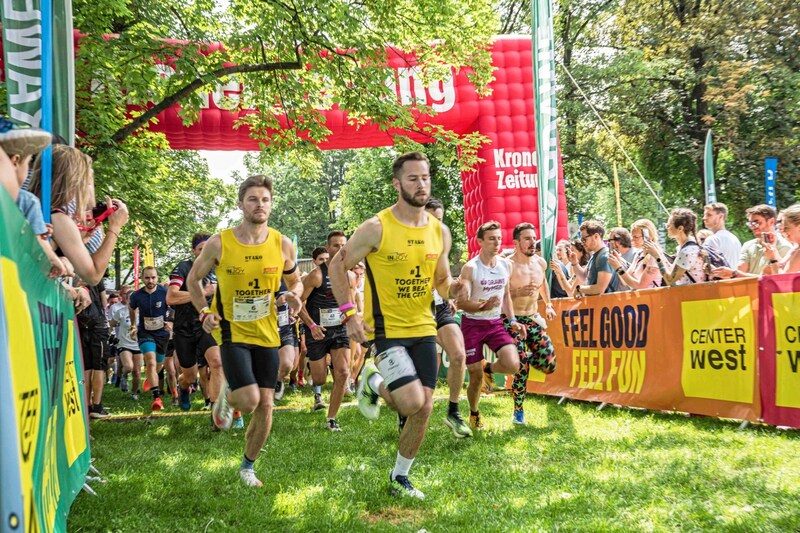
<point>321,298</point>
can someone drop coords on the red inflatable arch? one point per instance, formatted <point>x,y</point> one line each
<point>503,187</point>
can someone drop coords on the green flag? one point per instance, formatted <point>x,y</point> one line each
<point>708,169</point>
<point>22,51</point>
<point>544,98</point>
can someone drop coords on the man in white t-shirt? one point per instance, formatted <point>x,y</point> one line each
<point>128,348</point>
<point>723,241</point>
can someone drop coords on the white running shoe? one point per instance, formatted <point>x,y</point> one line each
<point>248,476</point>
<point>222,413</point>
<point>367,398</point>
<point>280,388</point>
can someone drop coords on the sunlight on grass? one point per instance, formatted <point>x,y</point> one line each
<point>291,504</point>
<point>571,468</point>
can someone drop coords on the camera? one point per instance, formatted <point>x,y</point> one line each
<point>101,211</point>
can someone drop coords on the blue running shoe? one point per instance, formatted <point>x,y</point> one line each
<point>186,399</point>
<point>519,417</point>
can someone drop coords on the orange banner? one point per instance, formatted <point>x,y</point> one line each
<point>691,349</point>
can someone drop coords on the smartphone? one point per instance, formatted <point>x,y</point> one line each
<point>768,237</point>
<point>645,234</point>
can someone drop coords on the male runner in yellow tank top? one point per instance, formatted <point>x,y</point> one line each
<point>405,253</point>
<point>250,260</point>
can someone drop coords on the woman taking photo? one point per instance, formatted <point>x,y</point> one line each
<point>789,227</point>
<point>643,272</point>
<point>576,267</point>
<point>72,196</point>
<point>689,262</point>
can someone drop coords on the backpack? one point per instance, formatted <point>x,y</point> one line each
<point>711,258</point>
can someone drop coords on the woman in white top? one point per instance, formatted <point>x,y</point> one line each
<point>643,271</point>
<point>689,261</point>
<point>789,226</point>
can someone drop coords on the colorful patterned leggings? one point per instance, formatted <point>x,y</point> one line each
<point>536,350</point>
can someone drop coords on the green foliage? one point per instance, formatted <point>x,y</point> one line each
<point>319,191</point>
<point>660,75</point>
<point>170,196</point>
<point>571,468</point>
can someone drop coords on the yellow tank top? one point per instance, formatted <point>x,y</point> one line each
<point>398,292</point>
<point>248,277</point>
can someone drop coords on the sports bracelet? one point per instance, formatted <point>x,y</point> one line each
<point>512,321</point>
<point>346,306</point>
<point>312,326</point>
<point>621,271</point>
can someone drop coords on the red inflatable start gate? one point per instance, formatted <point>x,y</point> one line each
<point>503,187</point>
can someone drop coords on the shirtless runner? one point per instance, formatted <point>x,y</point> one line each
<point>526,283</point>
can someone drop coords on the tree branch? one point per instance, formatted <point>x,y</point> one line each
<point>189,88</point>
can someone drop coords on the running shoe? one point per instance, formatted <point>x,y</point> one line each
<point>401,486</point>
<point>351,387</point>
<point>157,405</point>
<point>123,384</point>
<point>207,406</point>
<point>98,411</point>
<point>457,424</point>
<point>300,382</point>
<point>368,398</point>
<point>185,399</point>
<point>248,476</point>
<point>318,403</point>
<point>175,402</point>
<point>146,386</point>
<point>280,389</point>
<point>488,381</point>
<point>222,413</point>
<point>475,421</point>
<point>135,397</point>
<point>401,422</point>
<point>238,421</point>
<point>332,425</point>
<point>518,417</point>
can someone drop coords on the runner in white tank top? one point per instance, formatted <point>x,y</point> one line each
<point>486,278</point>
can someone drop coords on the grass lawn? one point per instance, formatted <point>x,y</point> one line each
<point>571,468</point>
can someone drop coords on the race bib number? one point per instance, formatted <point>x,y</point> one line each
<point>152,323</point>
<point>251,309</point>
<point>330,317</point>
<point>283,318</point>
<point>395,364</point>
<point>438,300</point>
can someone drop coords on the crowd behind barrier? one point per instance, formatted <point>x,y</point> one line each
<point>728,349</point>
<point>45,453</point>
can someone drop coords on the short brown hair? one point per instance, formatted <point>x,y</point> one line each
<point>519,228</point>
<point>397,166</point>
<point>766,211</point>
<point>335,233</point>
<point>150,267</point>
<point>593,227</point>
<point>622,235</point>
<point>318,251</point>
<point>719,208</point>
<point>488,226</point>
<point>259,180</point>
<point>685,218</point>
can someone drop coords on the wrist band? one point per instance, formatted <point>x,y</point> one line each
<point>661,267</point>
<point>345,307</point>
<point>113,232</point>
<point>658,260</point>
<point>312,326</point>
<point>621,271</point>
<point>512,321</point>
<point>549,304</point>
<point>773,261</point>
<point>204,312</point>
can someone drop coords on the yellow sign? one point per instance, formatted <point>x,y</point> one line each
<point>787,349</point>
<point>718,349</point>
<point>75,422</point>
<point>26,382</point>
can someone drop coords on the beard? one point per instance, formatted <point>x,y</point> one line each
<point>256,218</point>
<point>414,200</point>
<point>529,252</point>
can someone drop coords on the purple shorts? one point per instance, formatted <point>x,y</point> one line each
<point>479,332</point>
